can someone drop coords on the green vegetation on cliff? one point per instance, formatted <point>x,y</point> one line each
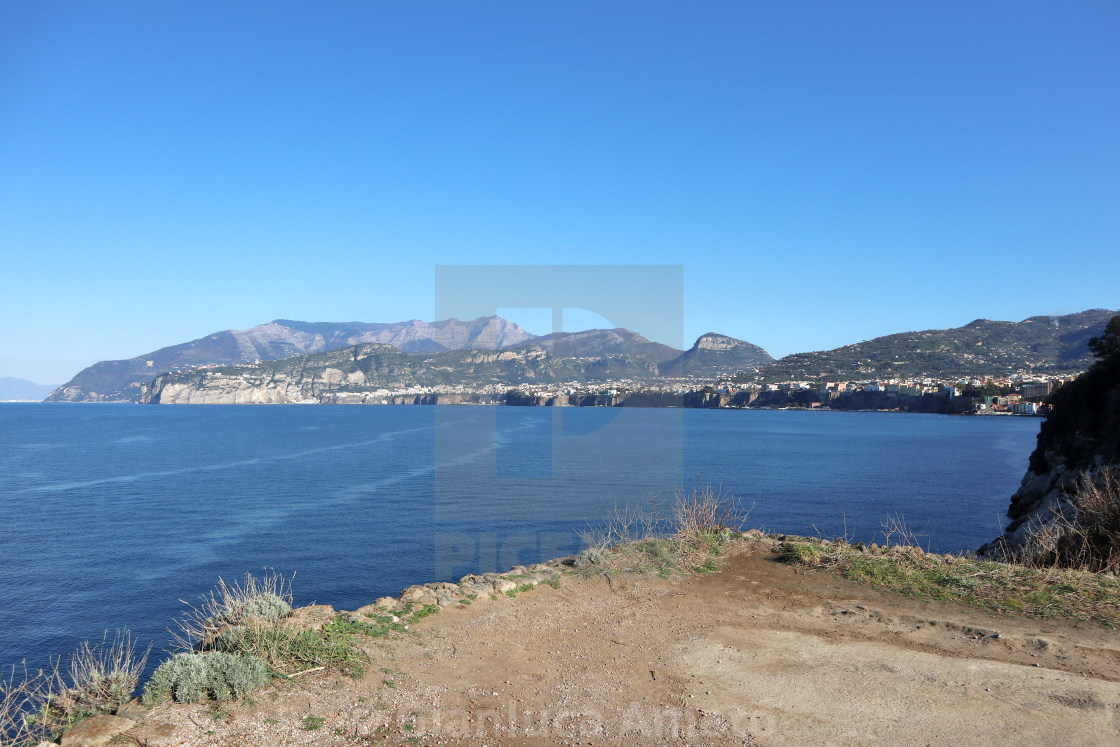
<point>1083,429</point>
<point>1040,344</point>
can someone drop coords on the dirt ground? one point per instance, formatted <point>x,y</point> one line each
<point>756,653</point>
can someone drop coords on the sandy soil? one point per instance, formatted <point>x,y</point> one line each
<point>756,653</point>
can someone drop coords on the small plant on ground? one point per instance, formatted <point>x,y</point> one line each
<point>252,602</point>
<point>313,723</point>
<point>191,678</point>
<point>701,524</point>
<point>589,558</point>
<point>707,566</point>
<point>425,611</point>
<point>378,626</point>
<point>519,590</point>
<point>99,678</point>
<point>250,619</point>
<point>706,513</point>
<point>290,650</point>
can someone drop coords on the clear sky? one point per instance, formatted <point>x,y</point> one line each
<point>825,172</point>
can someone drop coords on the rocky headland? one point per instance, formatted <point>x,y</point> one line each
<point>1079,441</point>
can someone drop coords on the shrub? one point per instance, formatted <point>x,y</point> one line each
<point>801,553</point>
<point>290,650</point>
<point>639,539</point>
<point>248,602</point>
<point>190,678</point>
<point>100,678</point>
<point>592,556</point>
<point>265,607</point>
<point>1088,538</point>
<point>21,697</point>
<point>706,511</point>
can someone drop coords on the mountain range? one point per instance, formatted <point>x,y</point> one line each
<point>120,380</point>
<point>495,351</point>
<point>362,370</point>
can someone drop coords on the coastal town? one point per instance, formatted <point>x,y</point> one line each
<point>1013,395</point>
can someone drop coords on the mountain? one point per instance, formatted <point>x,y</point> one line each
<point>715,355</point>
<point>598,343</point>
<point>364,373</point>
<point>120,380</point>
<point>1039,344</point>
<point>22,390</point>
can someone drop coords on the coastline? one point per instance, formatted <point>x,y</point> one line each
<point>752,652</point>
<point>748,650</point>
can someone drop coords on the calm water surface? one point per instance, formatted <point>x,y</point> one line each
<point>110,514</point>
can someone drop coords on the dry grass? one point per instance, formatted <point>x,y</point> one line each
<point>1087,537</point>
<point>22,695</point>
<point>641,538</point>
<point>243,602</point>
<point>98,678</point>
<point>897,532</point>
<point>706,510</point>
<point>625,524</point>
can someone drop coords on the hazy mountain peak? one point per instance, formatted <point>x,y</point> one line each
<point>22,390</point>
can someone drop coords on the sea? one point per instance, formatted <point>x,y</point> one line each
<point>115,516</point>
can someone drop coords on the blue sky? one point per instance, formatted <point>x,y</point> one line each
<point>824,172</point>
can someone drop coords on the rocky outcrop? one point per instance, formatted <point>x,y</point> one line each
<point>472,588</point>
<point>1079,438</point>
<point>96,730</point>
<point>714,355</point>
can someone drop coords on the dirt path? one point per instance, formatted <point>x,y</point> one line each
<point>756,653</point>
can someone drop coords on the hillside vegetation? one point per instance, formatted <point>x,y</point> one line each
<point>1067,511</point>
<point>1040,344</point>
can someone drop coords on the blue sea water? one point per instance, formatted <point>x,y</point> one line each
<point>112,514</point>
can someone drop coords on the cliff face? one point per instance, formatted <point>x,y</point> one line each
<point>1081,435</point>
<point>714,355</point>
<point>122,380</point>
<point>366,373</point>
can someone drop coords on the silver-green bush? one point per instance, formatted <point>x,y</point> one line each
<point>189,678</point>
<point>268,598</point>
<point>590,557</point>
<point>265,607</point>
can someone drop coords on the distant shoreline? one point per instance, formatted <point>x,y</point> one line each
<point>504,404</point>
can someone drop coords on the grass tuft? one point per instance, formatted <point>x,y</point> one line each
<point>698,526</point>
<point>250,602</point>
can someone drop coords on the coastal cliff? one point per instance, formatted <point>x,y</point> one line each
<point>375,373</point>
<point>122,380</point>
<point>1078,440</point>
